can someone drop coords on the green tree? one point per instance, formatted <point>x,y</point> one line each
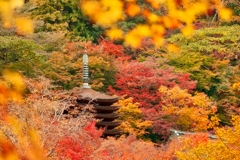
<point>21,54</point>
<point>64,15</point>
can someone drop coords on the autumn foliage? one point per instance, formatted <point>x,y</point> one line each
<point>190,112</point>
<point>18,140</point>
<point>84,145</point>
<point>141,81</point>
<point>226,145</point>
<point>193,86</point>
<point>131,119</point>
<point>173,14</point>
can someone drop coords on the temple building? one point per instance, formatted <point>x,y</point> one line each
<point>102,104</point>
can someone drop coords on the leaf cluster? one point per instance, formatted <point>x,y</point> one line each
<point>211,56</point>
<point>20,54</point>
<point>225,147</point>
<point>141,81</point>
<point>132,122</point>
<point>65,16</point>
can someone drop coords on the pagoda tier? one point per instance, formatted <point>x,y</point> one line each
<point>109,125</point>
<point>105,111</point>
<point>107,116</point>
<point>112,132</point>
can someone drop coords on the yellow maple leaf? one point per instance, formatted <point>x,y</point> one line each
<point>172,48</point>
<point>7,9</point>
<point>132,9</point>
<point>6,14</point>
<point>153,18</point>
<point>114,33</point>
<point>133,39</point>
<point>158,40</point>
<point>90,7</point>
<point>24,25</point>
<point>16,3</point>
<point>157,29</point>
<point>143,30</point>
<point>3,99</point>
<point>188,30</point>
<point>166,21</point>
<point>103,12</point>
<point>225,13</point>
<point>15,79</point>
<point>113,8</point>
<point>199,8</point>
<point>156,3</point>
<point>15,96</point>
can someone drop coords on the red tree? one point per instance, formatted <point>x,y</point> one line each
<point>141,80</point>
<point>83,146</point>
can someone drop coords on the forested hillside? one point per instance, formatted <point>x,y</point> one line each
<point>174,64</point>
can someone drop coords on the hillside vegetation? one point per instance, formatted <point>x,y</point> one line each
<point>173,64</point>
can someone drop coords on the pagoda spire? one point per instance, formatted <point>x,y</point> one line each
<point>85,69</point>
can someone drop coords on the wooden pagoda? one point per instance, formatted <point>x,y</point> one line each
<point>103,104</point>
<point>105,110</point>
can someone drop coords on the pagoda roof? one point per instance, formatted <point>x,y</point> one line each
<point>90,94</point>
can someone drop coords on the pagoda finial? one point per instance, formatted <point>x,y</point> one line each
<point>85,69</point>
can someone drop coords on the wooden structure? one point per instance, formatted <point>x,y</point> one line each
<point>103,105</point>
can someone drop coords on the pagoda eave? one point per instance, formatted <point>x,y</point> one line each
<point>107,108</point>
<point>92,95</point>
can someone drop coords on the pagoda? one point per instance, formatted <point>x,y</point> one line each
<point>103,104</point>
